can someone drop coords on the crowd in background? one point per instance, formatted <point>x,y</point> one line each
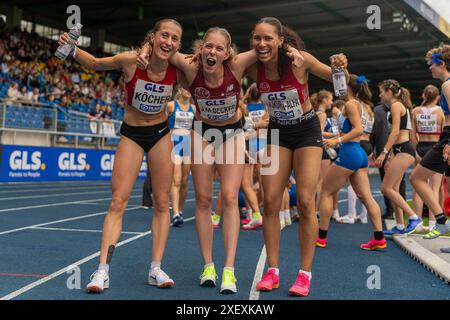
<point>33,74</point>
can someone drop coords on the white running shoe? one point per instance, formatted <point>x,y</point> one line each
<point>287,218</point>
<point>361,219</point>
<point>335,215</point>
<point>159,278</point>
<point>99,282</point>
<point>345,219</point>
<point>422,229</point>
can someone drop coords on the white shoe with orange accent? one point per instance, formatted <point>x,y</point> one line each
<point>99,282</point>
<point>159,278</point>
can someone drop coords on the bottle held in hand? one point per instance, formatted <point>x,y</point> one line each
<point>339,81</point>
<point>331,153</point>
<point>64,50</point>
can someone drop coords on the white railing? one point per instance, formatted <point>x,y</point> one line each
<point>59,130</point>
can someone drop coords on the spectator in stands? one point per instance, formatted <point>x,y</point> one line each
<point>28,59</point>
<point>96,113</point>
<point>25,96</point>
<point>13,93</point>
<point>75,77</point>
<point>107,115</point>
<point>36,95</point>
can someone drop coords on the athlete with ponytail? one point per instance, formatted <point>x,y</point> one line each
<point>438,158</point>
<point>352,163</point>
<point>284,91</point>
<point>427,124</point>
<point>401,153</point>
<point>143,131</point>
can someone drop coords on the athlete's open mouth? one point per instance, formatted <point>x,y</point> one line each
<point>263,52</point>
<point>165,49</point>
<point>211,62</point>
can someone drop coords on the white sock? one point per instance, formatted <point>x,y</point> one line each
<point>336,212</point>
<point>400,226</point>
<point>363,212</point>
<point>277,271</point>
<point>431,224</point>
<point>351,202</point>
<point>281,215</point>
<point>414,217</point>
<point>309,274</point>
<point>103,266</point>
<point>229,268</point>
<point>209,264</point>
<point>155,264</point>
<point>287,214</point>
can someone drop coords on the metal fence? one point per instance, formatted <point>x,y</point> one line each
<point>60,126</point>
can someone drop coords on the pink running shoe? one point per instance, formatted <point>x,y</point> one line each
<point>321,243</point>
<point>245,221</point>
<point>268,281</point>
<point>252,225</point>
<point>301,286</point>
<point>374,244</point>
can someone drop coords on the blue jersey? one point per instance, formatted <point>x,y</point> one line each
<point>444,103</point>
<point>180,119</point>
<point>256,111</point>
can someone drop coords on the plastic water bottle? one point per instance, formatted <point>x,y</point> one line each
<point>339,81</point>
<point>331,153</point>
<point>63,51</point>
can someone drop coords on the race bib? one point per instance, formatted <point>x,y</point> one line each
<point>151,97</point>
<point>334,126</point>
<point>427,123</point>
<point>366,123</point>
<point>256,115</point>
<point>183,120</point>
<point>283,105</point>
<point>217,109</point>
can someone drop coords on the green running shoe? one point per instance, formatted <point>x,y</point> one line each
<point>228,282</point>
<point>208,277</point>
<point>438,230</point>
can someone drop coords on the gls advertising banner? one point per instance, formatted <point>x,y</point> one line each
<point>21,163</point>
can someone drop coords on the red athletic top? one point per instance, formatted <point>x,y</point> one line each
<point>284,98</point>
<point>150,96</point>
<point>219,104</point>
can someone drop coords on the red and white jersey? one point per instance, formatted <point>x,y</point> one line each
<point>284,98</point>
<point>150,96</point>
<point>218,104</point>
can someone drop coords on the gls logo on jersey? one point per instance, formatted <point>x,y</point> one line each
<point>215,103</point>
<point>276,96</point>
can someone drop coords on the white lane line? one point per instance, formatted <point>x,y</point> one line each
<point>35,284</point>
<point>60,221</point>
<point>80,230</point>
<point>254,294</point>
<point>51,195</point>
<point>94,204</point>
<point>57,204</point>
<point>52,189</point>
<point>32,183</point>
<point>77,218</point>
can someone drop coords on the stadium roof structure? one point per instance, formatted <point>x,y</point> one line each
<point>327,26</point>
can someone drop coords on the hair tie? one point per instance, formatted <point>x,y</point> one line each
<point>436,58</point>
<point>361,79</point>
